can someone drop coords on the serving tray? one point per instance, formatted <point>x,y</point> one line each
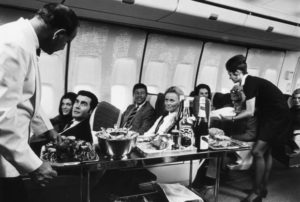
<point>67,164</point>
<point>147,150</point>
<point>233,144</point>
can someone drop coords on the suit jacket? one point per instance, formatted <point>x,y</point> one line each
<point>59,122</point>
<point>143,120</point>
<point>81,131</point>
<point>19,98</point>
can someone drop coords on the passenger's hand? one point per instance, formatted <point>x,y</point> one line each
<point>54,136</point>
<point>43,175</point>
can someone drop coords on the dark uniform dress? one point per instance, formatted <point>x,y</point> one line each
<point>274,120</point>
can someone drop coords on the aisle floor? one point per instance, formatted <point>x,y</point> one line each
<point>284,185</point>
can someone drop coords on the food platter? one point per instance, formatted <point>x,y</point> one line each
<point>219,141</point>
<point>146,149</point>
<point>68,153</point>
<point>228,144</point>
<point>68,164</point>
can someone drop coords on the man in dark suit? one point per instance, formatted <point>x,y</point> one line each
<point>140,115</point>
<point>83,107</point>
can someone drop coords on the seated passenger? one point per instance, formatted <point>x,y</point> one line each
<point>65,112</point>
<point>295,112</point>
<point>83,107</point>
<point>140,115</point>
<point>202,90</point>
<point>167,122</point>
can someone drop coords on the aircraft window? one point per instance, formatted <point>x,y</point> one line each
<point>48,102</point>
<point>52,71</point>
<point>297,84</point>
<point>296,79</point>
<point>86,74</point>
<point>156,74</point>
<point>86,87</point>
<point>184,82</point>
<point>209,75</point>
<point>121,91</point>
<point>212,67</point>
<point>123,79</point>
<point>268,62</point>
<point>271,75</point>
<point>167,59</point>
<point>253,71</point>
<point>104,56</point>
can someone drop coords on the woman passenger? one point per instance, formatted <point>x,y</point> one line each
<point>65,111</point>
<point>273,116</point>
<point>168,120</point>
<point>202,90</point>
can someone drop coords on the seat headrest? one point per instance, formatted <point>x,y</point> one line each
<point>106,115</point>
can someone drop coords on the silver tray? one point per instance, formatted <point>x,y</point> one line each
<point>234,144</point>
<point>67,164</point>
<point>146,150</point>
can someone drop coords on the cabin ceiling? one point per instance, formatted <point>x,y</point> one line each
<point>197,18</point>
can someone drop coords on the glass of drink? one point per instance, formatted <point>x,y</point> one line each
<point>176,137</point>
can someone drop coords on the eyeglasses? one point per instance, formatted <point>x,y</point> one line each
<point>296,98</point>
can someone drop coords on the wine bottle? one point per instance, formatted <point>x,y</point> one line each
<point>186,123</point>
<point>203,133</point>
<point>201,126</point>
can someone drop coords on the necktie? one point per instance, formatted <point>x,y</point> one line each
<point>68,125</point>
<point>128,123</point>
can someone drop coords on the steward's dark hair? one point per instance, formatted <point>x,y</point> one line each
<point>94,99</point>
<point>138,86</point>
<point>237,62</point>
<point>59,16</point>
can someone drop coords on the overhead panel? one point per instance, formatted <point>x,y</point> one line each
<point>31,4</point>
<point>206,17</point>
<point>267,25</point>
<point>292,41</point>
<point>142,9</point>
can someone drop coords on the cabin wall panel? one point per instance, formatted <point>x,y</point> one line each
<point>116,52</point>
<point>166,57</point>
<point>288,72</point>
<point>212,67</point>
<point>106,59</point>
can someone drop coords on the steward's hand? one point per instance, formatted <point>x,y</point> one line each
<point>43,175</point>
<point>54,136</point>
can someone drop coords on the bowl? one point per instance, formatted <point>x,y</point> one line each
<point>117,148</point>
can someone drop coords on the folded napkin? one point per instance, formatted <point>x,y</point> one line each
<point>179,193</point>
<point>226,111</point>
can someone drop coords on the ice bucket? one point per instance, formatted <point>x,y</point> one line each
<point>117,148</point>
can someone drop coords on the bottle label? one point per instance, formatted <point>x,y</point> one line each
<point>204,142</point>
<point>187,136</point>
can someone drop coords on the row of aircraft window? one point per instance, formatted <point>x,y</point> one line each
<point>109,59</point>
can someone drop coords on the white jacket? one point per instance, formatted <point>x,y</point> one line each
<point>19,98</point>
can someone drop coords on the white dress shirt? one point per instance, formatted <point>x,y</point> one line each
<point>167,122</point>
<point>19,98</point>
